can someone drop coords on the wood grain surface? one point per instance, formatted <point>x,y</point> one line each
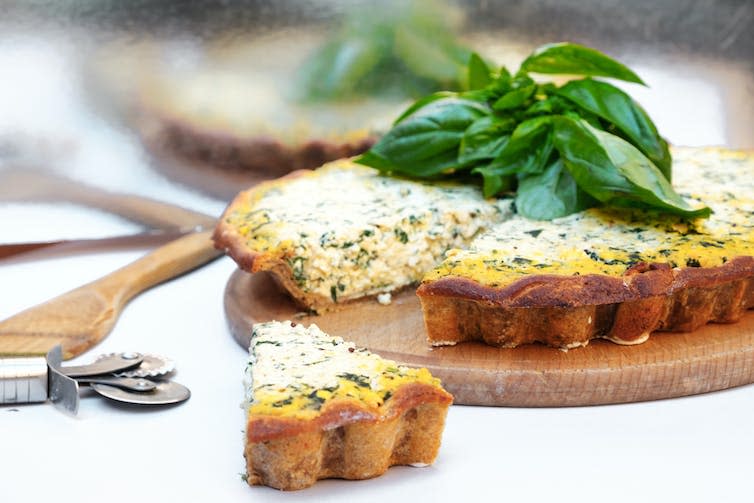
<point>668,365</point>
<point>82,317</point>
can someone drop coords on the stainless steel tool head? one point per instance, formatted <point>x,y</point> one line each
<point>165,393</point>
<point>117,376</point>
<point>106,364</point>
<point>151,366</point>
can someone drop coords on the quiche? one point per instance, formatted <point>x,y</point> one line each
<point>344,231</point>
<point>605,273</point>
<point>240,119</point>
<point>230,105</point>
<point>319,407</point>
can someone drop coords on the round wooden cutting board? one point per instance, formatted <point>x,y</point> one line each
<point>667,365</point>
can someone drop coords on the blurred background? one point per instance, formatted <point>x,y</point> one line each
<point>190,102</point>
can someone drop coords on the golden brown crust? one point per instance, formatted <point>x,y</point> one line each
<point>568,311</point>
<point>227,238</point>
<point>261,154</point>
<point>347,440</point>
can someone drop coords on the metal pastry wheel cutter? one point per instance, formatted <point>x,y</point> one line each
<point>131,378</point>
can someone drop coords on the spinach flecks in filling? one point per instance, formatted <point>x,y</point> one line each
<point>359,380</point>
<point>401,235</point>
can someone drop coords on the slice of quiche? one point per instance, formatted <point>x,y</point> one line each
<point>319,407</point>
<point>614,274</point>
<point>344,231</point>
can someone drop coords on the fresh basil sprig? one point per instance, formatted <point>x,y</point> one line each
<point>562,148</point>
<point>394,48</point>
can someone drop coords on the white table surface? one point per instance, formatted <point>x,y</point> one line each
<point>691,449</point>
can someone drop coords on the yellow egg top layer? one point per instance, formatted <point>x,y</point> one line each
<point>295,371</point>
<point>346,231</point>
<point>608,241</point>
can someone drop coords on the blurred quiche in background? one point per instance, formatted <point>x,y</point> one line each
<point>226,112</point>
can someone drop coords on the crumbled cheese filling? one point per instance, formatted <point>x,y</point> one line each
<point>295,370</point>
<point>347,232</point>
<point>608,241</point>
<point>385,299</point>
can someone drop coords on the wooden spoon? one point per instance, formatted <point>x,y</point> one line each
<point>81,318</point>
<point>26,185</point>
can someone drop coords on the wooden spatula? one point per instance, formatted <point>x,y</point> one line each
<point>82,317</point>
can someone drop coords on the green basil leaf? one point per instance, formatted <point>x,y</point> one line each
<point>480,75</point>
<point>427,58</point>
<point>551,105</point>
<point>615,172</point>
<point>493,182</point>
<point>426,143</point>
<point>546,89</point>
<point>374,160</point>
<point>541,107</point>
<point>528,149</point>
<point>485,138</point>
<point>500,84</point>
<point>429,167</point>
<point>421,103</point>
<point>550,194</point>
<point>574,59</point>
<point>617,107</point>
<point>504,75</point>
<point>515,98</point>
<point>338,67</point>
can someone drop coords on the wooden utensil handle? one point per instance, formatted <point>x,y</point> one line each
<point>31,185</point>
<point>81,318</point>
<point>166,262</point>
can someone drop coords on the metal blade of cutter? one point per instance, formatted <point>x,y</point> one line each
<point>110,364</point>
<point>63,391</point>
